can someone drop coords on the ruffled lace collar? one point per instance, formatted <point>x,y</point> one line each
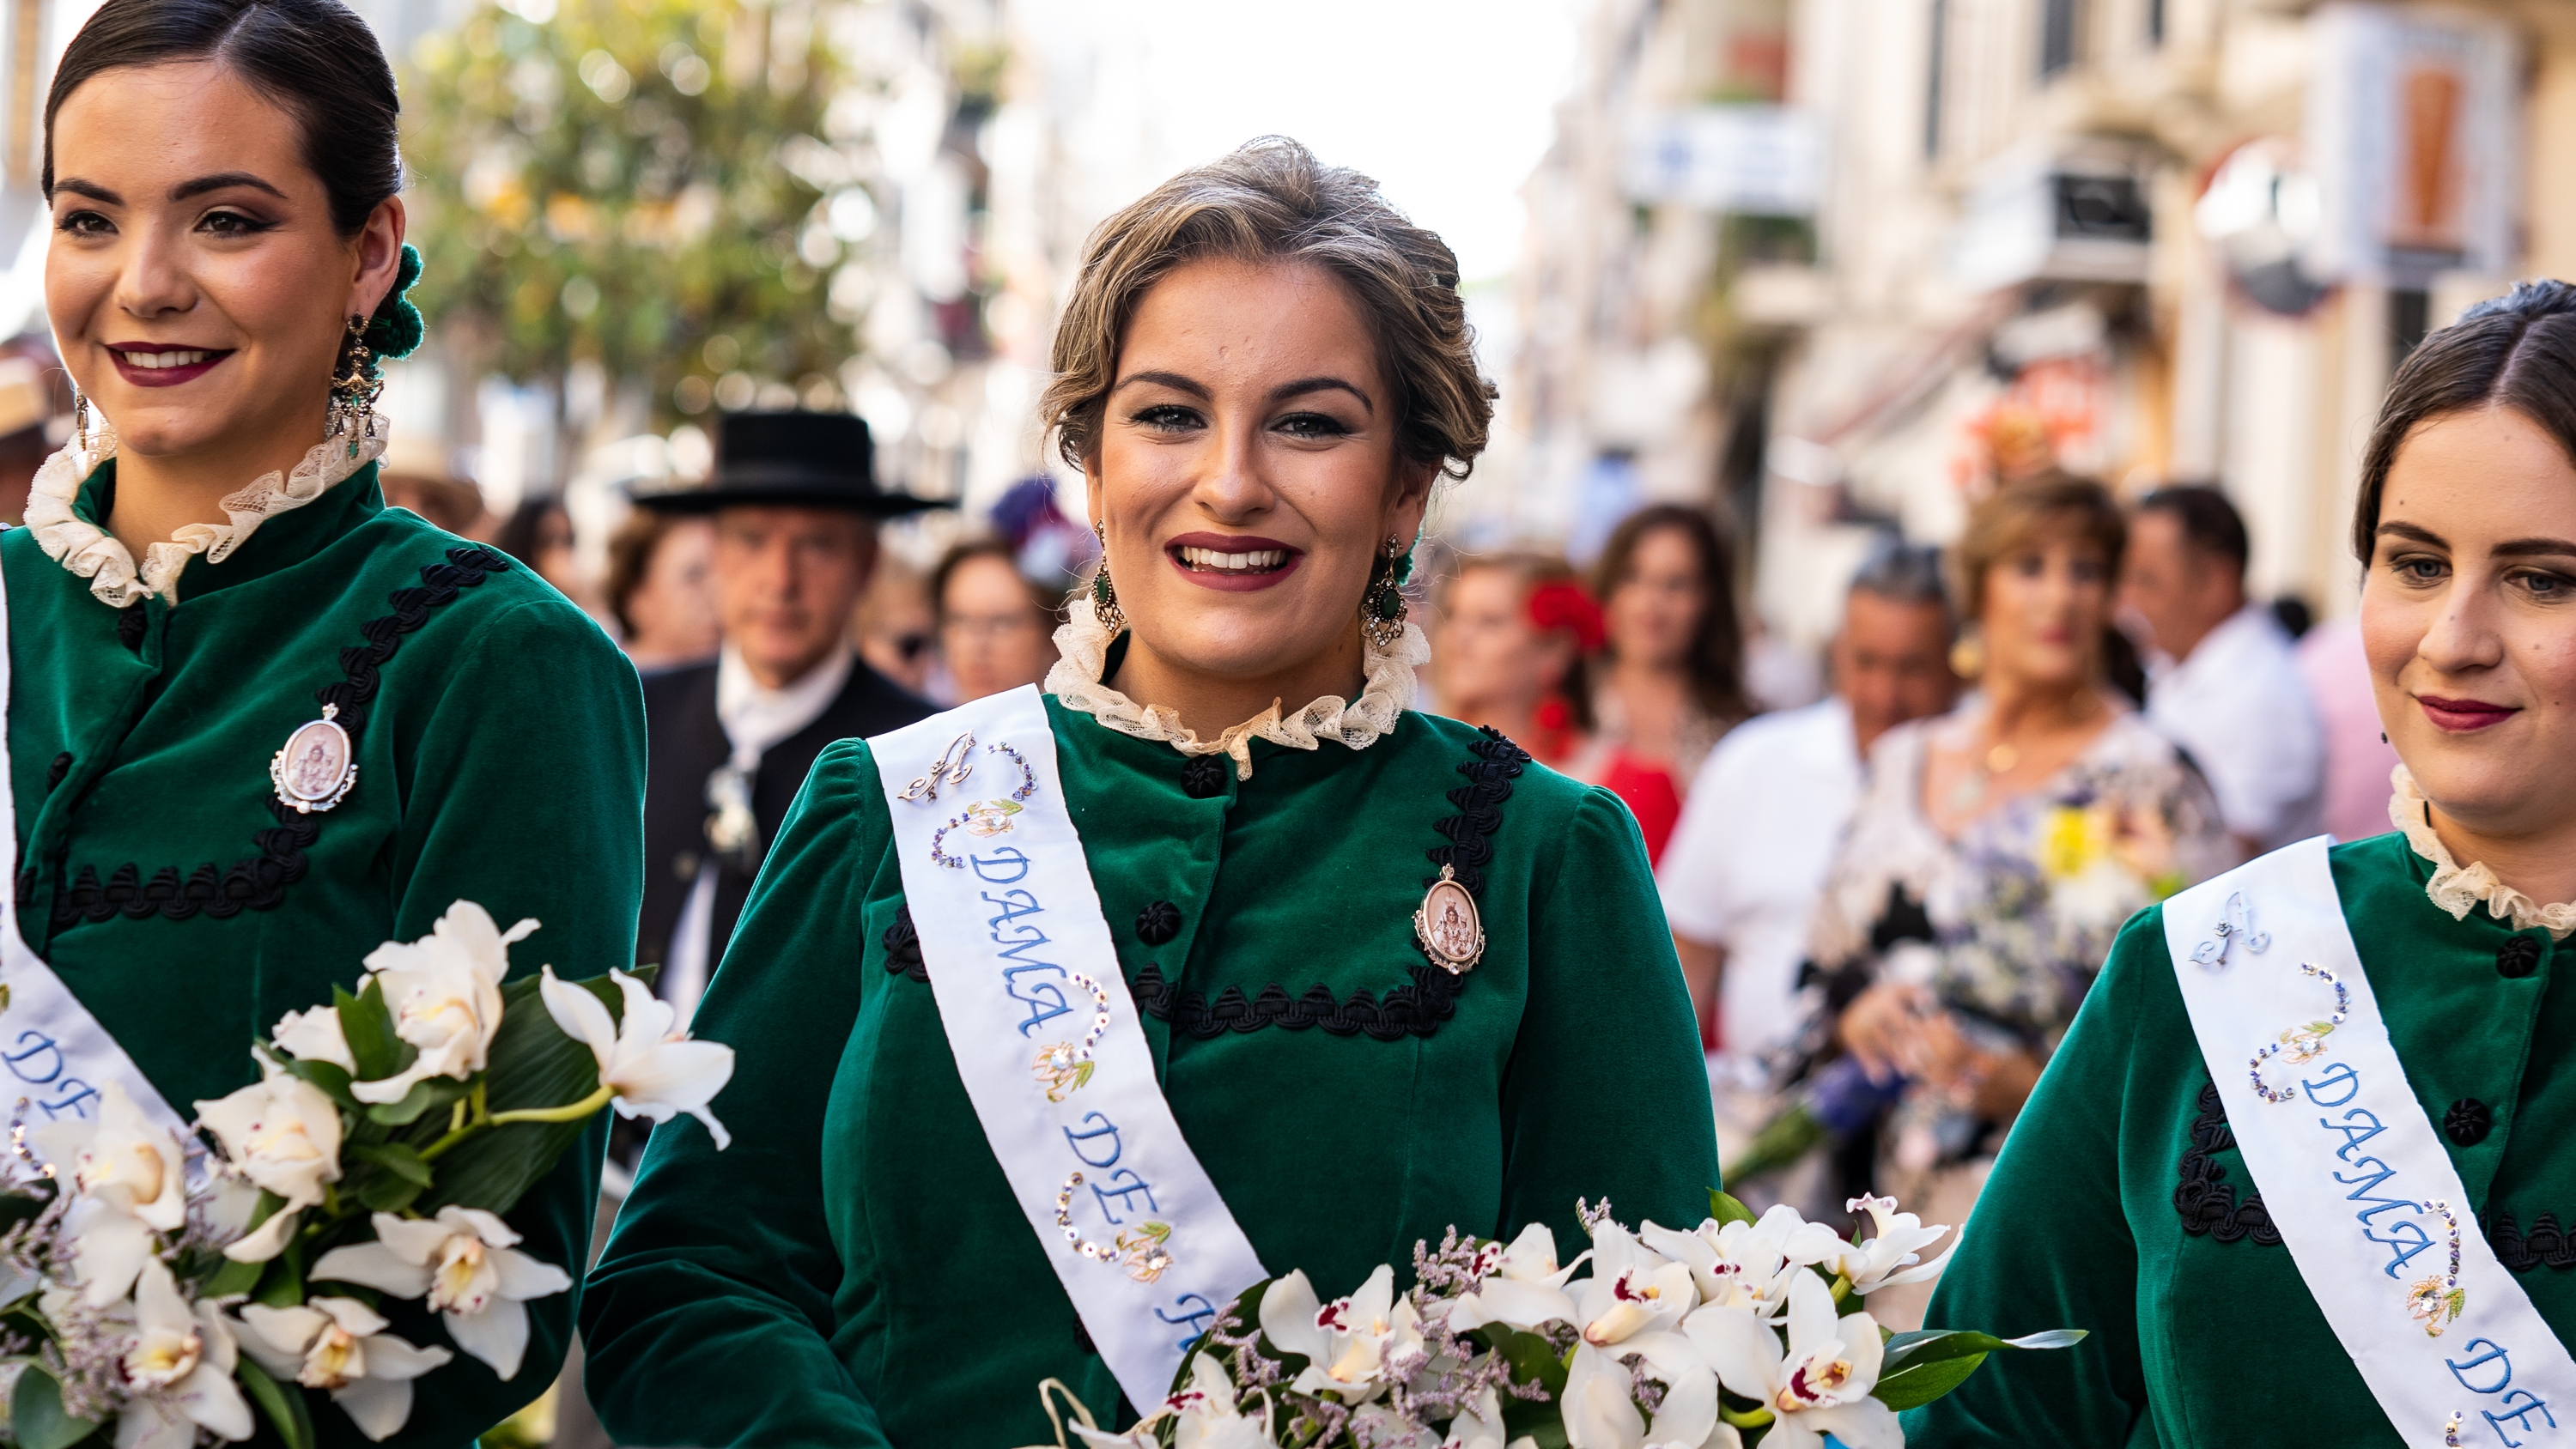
<point>95,554</point>
<point>1386,691</point>
<point>2461,889</point>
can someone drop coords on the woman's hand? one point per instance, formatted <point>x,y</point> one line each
<point>1883,1027</point>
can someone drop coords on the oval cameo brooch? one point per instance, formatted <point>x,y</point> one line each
<point>317,766</point>
<point>1450,931</point>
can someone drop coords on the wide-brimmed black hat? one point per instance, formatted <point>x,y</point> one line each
<point>796,459</point>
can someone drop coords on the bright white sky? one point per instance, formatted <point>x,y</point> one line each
<point>1448,103</point>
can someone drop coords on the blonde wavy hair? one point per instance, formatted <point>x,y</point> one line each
<point>1272,201</point>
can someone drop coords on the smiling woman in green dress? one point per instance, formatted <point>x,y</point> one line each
<point>258,723</point>
<point>1261,374</point>
<point>2301,1163</point>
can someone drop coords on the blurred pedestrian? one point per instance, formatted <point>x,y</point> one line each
<point>1670,679</point>
<point>1509,650</point>
<point>26,407</point>
<point>1997,849</point>
<point>794,500</point>
<point>2222,680</point>
<point>416,474</point>
<point>539,533</point>
<point>898,631</point>
<point>1742,874</point>
<point>2358,755</point>
<point>661,587</point>
<point>996,628</point>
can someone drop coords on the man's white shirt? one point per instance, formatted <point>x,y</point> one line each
<point>2239,705</point>
<point>1750,855</point>
<point>755,718</point>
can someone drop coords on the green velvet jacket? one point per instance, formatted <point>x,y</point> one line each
<point>2120,1205</point>
<point>500,751</point>
<point>853,1271</point>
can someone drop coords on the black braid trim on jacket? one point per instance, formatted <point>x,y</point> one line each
<point>259,882</point>
<point>2546,1245</point>
<point>1415,1010</point>
<point>2206,1201</point>
<point>903,947</point>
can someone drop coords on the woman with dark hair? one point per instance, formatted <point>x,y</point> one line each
<point>996,626</point>
<point>209,569</point>
<point>2303,1158</point>
<point>1998,847</point>
<point>1028,1086</point>
<point>660,589</point>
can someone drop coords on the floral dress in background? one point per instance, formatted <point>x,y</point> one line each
<point>2010,920</point>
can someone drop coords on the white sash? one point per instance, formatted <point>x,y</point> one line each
<point>54,1052</point>
<point>2361,1189</point>
<point>1045,1035</point>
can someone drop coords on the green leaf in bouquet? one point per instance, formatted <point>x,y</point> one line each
<point>534,1065</point>
<point>330,1077</point>
<point>37,1418</point>
<point>282,1403</point>
<point>1919,1384</point>
<point>232,1280</point>
<point>283,1286</point>
<point>368,1026</point>
<point>1922,1366</point>
<point>398,1158</point>
<point>1532,1359</point>
<point>1725,1209</point>
<point>437,1094</point>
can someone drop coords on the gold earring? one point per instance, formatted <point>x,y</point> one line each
<point>1382,608</point>
<point>1104,594</point>
<point>80,421</point>
<point>1968,656</point>
<point>354,386</point>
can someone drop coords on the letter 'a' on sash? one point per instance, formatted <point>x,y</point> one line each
<point>54,1055</point>
<point>1038,1016</point>
<point>2360,1186</point>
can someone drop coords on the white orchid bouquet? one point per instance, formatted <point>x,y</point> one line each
<point>1741,1331</point>
<point>155,1287</point>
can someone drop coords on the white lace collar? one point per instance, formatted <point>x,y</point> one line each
<point>1385,693</point>
<point>95,554</point>
<point>2461,889</point>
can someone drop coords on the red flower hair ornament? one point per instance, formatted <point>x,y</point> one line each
<point>1560,604</point>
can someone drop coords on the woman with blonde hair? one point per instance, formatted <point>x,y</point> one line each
<point>1065,1017</point>
<point>1998,847</point>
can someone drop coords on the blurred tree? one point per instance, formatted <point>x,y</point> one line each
<point>653,186</point>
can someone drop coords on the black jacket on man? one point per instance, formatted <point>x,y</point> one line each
<point>687,743</point>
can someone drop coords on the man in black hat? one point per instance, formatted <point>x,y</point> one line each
<point>795,504</point>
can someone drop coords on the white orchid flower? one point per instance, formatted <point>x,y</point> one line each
<point>1600,1402</point>
<point>281,1133</point>
<point>1351,1343</point>
<point>1523,1288</point>
<point>465,1261</point>
<point>1747,1264</point>
<point>315,1036</point>
<point>444,991</point>
<point>654,1069</point>
<point>1204,1416</point>
<point>1633,1289</point>
<point>129,1177</point>
<point>1895,1255</point>
<point>340,1344</point>
<point>179,1368</point>
<point>1480,1425</point>
<point>1820,1386</point>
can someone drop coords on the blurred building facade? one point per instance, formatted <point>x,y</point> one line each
<point>1837,266</point>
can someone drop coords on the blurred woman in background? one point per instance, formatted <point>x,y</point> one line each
<point>1670,681</point>
<point>539,533</point>
<point>996,628</point>
<point>1513,631</point>
<point>660,589</point>
<point>1999,847</point>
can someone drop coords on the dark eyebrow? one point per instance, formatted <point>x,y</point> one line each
<point>90,189</point>
<point>2410,531</point>
<point>1306,385</point>
<point>2536,548</point>
<point>1172,380</point>
<point>219,181</point>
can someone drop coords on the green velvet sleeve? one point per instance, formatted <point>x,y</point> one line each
<point>2051,1247</point>
<point>722,1269</point>
<point>1607,1094</point>
<point>526,796</point>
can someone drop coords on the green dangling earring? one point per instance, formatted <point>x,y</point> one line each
<point>1382,608</point>
<point>1104,594</point>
